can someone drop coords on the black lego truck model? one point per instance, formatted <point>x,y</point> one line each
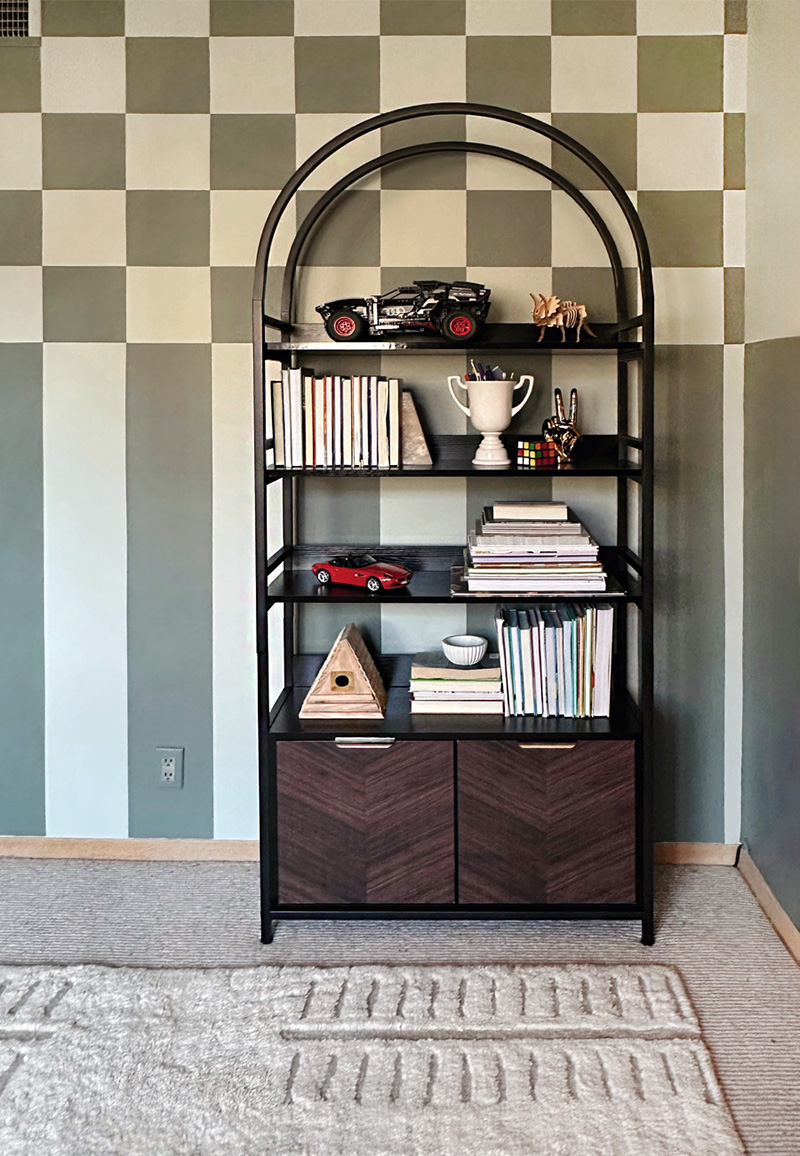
<point>454,309</point>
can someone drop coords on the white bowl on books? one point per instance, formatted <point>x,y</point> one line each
<point>464,649</point>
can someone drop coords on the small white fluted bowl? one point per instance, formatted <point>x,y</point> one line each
<point>464,649</point>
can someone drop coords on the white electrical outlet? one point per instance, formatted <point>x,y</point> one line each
<point>170,767</point>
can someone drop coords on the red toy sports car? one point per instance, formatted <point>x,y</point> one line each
<point>362,570</point>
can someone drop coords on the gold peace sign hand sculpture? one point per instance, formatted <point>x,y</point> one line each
<point>560,430</point>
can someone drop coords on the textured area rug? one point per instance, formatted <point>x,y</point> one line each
<point>567,1060</point>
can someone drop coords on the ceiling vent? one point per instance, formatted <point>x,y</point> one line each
<point>14,18</point>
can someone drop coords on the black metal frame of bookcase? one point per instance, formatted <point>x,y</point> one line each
<point>453,456</point>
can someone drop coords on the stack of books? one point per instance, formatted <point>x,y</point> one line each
<point>556,660</point>
<point>523,548</point>
<point>438,686</point>
<point>333,421</point>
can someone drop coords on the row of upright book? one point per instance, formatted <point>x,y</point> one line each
<point>556,660</point>
<point>523,548</point>
<point>334,421</point>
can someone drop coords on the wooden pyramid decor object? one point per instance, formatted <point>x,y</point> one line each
<point>415,450</point>
<point>348,684</point>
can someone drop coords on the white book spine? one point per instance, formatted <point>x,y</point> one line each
<point>308,419</point>
<point>501,649</point>
<point>347,422</point>
<point>296,402</point>
<point>337,420</point>
<point>365,421</point>
<point>319,422</point>
<point>394,422</point>
<point>357,421</point>
<point>373,421</point>
<point>287,418</point>
<point>383,424</point>
<point>328,421</point>
<point>528,701</point>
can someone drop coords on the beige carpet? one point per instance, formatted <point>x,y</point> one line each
<point>740,979</point>
<point>563,1060</point>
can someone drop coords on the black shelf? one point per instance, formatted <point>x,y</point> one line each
<point>597,456</point>
<point>431,581</point>
<point>505,338</point>
<point>623,723</point>
<point>286,587</point>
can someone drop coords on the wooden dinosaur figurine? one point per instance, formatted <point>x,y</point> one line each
<point>551,311</point>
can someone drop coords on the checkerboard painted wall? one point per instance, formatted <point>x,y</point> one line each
<point>141,146</point>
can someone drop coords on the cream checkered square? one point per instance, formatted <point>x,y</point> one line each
<point>680,150</point>
<point>167,150</point>
<point>20,150</point>
<point>237,218</point>
<point>318,283</point>
<point>252,74</point>
<point>423,227</point>
<point>508,17</point>
<point>594,72</point>
<point>20,303</point>
<point>342,18</point>
<point>83,227</point>
<point>690,306</point>
<point>166,18</point>
<point>440,60</point>
<point>485,172</point>
<point>735,75</point>
<point>733,226</point>
<point>680,17</point>
<point>511,288</point>
<point>314,129</point>
<point>171,305</point>
<point>83,74</point>
<point>576,242</point>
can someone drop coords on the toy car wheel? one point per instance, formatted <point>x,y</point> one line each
<point>346,325</point>
<point>323,577</point>
<point>373,585</point>
<point>458,325</point>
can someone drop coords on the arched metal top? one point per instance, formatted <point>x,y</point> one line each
<point>287,297</point>
<point>457,108</point>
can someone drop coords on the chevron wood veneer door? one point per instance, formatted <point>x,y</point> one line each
<point>546,825</point>
<point>359,826</point>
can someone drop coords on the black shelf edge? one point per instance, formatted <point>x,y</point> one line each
<point>623,723</point>
<point>597,456</point>
<point>456,911</point>
<point>508,337</point>
<point>431,581</point>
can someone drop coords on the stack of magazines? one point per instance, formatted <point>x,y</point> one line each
<point>528,548</point>
<point>333,421</point>
<point>438,686</point>
<point>556,660</point>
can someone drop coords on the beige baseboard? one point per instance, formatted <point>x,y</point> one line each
<point>246,850</point>
<point>769,904</point>
<point>699,854</point>
<point>47,847</point>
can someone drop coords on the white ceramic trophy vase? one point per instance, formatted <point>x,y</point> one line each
<point>490,410</point>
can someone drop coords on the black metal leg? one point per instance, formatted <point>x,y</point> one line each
<point>267,929</point>
<point>648,931</point>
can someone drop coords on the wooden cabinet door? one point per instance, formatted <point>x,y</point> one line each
<point>361,826</point>
<point>546,825</point>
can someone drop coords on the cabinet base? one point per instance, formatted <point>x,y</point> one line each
<point>473,912</point>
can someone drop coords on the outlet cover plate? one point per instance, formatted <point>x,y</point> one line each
<point>169,764</point>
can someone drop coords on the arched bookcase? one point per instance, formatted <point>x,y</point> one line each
<point>491,817</point>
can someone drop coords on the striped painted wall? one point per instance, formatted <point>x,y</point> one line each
<point>141,145</point>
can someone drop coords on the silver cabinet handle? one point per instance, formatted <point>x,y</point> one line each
<point>547,746</point>
<point>380,743</point>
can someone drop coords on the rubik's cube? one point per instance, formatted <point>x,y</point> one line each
<point>535,455</point>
